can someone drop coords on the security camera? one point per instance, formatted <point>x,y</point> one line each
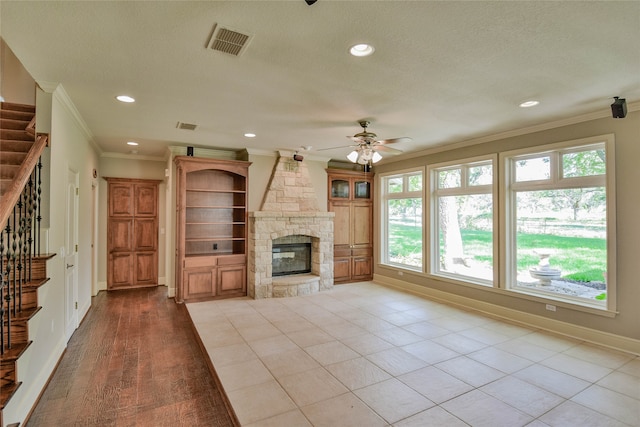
<point>298,157</point>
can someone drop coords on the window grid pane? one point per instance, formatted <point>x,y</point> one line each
<point>404,239</point>
<point>465,236</point>
<point>536,169</point>
<point>561,242</point>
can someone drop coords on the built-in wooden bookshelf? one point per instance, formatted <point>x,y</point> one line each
<point>211,229</point>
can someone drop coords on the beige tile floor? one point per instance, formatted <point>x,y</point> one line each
<point>366,355</point>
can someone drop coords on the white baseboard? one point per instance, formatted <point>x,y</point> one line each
<point>605,339</point>
<point>27,395</point>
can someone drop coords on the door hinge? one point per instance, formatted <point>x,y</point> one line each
<point>77,191</point>
<point>76,305</point>
<point>76,248</point>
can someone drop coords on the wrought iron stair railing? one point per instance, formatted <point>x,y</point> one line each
<point>22,265</point>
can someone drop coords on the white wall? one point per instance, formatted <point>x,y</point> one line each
<point>70,148</point>
<point>16,84</point>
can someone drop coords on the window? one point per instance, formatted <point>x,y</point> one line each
<point>402,219</point>
<point>462,220</point>
<point>537,222</point>
<point>558,221</point>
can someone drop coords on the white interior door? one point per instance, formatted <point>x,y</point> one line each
<point>71,255</point>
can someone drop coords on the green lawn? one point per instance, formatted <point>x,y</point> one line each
<point>579,258</point>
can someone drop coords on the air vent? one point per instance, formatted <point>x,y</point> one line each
<point>228,41</point>
<point>186,126</point>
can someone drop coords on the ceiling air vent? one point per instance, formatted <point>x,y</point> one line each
<point>228,41</point>
<point>186,126</point>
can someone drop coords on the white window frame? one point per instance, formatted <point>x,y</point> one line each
<point>432,221</point>
<point>385,196</point>
<point>508,188</point>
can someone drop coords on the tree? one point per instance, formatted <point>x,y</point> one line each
<point>449,222</point>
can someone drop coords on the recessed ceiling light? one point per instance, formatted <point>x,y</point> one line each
<point>132,143</point>
<point>125,98</point>
<point>250,135</point>
<point>361,50</point>
<point>527,104</point>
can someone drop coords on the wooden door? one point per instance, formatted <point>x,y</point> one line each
<point>132,228</point>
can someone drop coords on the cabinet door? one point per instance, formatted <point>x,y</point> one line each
<point>340,188</point>
<point>145,268</point>
<point>362,230</point>
<point>121,270</point>
<point>341,269</point>
<point>231,279</point>
<point>146,199</point>
<point>362,268</point>
<point>146,238</point>
<point>121,235</point>
<point>120,199</point>
<point>361,189</point>
<point>341,223</point>
<point>199,283</point>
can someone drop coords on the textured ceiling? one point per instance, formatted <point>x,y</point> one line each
<point>442,72</point>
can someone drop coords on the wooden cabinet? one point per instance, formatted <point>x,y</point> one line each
<point>211,229</point>
<point>132,233</point>
<point>350,197</point>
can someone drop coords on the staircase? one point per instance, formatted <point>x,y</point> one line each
<point>23,268</point>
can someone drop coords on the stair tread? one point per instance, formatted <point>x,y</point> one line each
<point>7,393</point>
<point>16,114</point>
<point>14,134</point>
<point>12,354</point>
<point>25,314</point>
<point>15,124</point>
<point>10,157</point>
<point>15,145</point>
<point>14,106</point>
<point>35,284</point>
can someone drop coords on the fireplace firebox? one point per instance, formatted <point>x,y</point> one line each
<point>290,258</point>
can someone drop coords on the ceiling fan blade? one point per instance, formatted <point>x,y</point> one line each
<point>386,149</point>
<point>336,148</point>
<point>394,140</point>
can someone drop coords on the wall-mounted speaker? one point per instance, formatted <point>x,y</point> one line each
<point>619,108</point>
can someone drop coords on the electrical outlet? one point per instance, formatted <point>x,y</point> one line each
<point>550,307</point>
<point>215,246</point>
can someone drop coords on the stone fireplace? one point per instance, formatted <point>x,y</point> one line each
<point>290,214</point>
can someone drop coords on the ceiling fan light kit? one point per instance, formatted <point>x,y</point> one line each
<point>364,156</point>
<point>365,152</point>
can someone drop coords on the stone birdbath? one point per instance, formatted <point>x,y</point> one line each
<point>543,271</point>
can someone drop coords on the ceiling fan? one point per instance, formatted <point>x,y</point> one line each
<point>367,145</point>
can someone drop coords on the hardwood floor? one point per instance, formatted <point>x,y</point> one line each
<point>134,361</point>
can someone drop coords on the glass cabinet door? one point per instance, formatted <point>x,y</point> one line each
<point>340,189</point>
<point>362,189</point>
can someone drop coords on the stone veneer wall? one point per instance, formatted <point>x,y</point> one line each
<point>264,226</point>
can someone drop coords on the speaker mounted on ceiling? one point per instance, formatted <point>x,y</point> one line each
<point>619,108</point>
